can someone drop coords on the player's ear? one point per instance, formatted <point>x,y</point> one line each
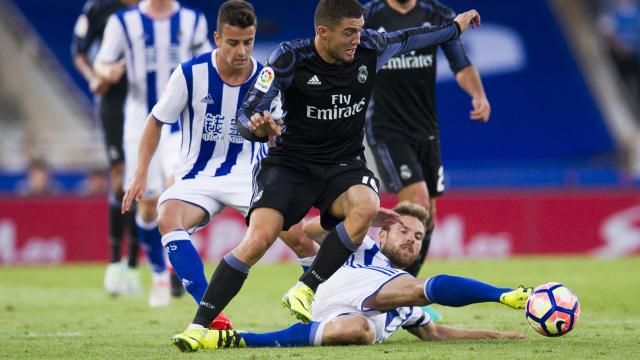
<point>382,236</point>
<point>217,38</point>
<point>322,31</point>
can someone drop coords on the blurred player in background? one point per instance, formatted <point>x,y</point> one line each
<point>325,84</point>
<point>402,121</point>
<point>155,37</point>
<point>370,298</point>
<point>217,163</point>
<point>110,97</point>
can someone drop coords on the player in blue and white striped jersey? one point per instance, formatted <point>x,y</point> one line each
<point>370,297</point>
<point>155,37</point>
<point>217,163</point>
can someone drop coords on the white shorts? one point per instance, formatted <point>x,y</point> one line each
<point>213,193</point>
<point>345,292</point>
<point>155,176</point>
<point>169,150</point>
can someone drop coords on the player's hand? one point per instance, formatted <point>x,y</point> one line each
<point>116,71</point>
<point>471,17</point>
<point>99,86</point>
<point>262,125</point>
<point>386,217</point>
<point>481,109</point>
<point>134,192</point>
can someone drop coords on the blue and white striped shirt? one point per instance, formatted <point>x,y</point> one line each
<point>153,48</point>
<point>207,107</point>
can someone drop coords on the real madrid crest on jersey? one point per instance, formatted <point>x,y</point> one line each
<point>362,74</point>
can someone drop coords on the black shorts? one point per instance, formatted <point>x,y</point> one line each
<point>401,164</point>
<point>293,188</point>
<point>110,109</point>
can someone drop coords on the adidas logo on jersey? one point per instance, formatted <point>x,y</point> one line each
<point>207,99</point>
<point>314,81</point>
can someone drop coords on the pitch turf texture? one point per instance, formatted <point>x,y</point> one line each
<point>63,312</point>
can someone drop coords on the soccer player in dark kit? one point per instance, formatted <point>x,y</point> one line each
<point>324,85</point>
<point>402,128</point>
<point>110,97</point>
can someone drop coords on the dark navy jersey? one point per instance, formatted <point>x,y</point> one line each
<point>403,107</point>
<point>91,23</point>
<point>87,36</point>
<point>325,104</point>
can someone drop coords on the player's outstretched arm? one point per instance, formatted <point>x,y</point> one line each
<point>469,80</point>
<point>433,332</point>
<point>148,146</point>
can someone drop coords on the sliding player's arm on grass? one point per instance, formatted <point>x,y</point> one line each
<point>433,332</point>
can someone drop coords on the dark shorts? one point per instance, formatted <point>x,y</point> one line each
<point>401,164</point>
<point>293,188</point>
<point>110,110</point>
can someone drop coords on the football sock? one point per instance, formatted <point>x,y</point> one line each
<point>460,291</point>
<point>134,241</point>
<point>415,267</point>
<point>116,228</point>
<point>186,262</point>
<point>306,262</point>
<point>298,334</point>
<point>151,242</point>
<point>225,283</point>
<point>334,252</point>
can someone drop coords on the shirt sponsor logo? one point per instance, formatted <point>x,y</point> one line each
<point>265,78</point>
<point>409,61</point>
<point>342,108</point>
<point>214,130</point>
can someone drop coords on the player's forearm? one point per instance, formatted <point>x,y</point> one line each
<point>148,144</point>
<point>81,62</point>
<point>249,107</point>
<point>403,41</point>
<point>441,332</point>
<point>102,69</point>
<point>469,80</point>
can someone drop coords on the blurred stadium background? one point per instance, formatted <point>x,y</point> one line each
<point>555,171</point>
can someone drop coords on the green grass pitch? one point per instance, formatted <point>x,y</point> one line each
<point>63,313</point>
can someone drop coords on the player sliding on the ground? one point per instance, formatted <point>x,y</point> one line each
<point>369,298</point>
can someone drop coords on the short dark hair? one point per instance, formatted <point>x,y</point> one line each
<point>411,209</point>
<point>238,13</point>
<point>330,12</point>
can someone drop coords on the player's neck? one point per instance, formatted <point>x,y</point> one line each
<point>233,76</point>
<point>160,9</point>
<point>324,52</point>
<point>402,7</point>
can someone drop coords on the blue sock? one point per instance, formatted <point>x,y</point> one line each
<point>186,262</point>
<point>460,291</point>
<point>298,334</point>
<point>151,243</point>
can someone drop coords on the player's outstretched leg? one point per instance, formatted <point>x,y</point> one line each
<point>459,291</point>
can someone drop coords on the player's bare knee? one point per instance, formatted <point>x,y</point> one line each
<point>359,331</point>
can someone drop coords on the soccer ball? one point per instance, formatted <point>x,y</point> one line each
<point>552,309</point>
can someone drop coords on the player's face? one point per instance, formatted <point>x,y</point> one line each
<point>235,46</point>
<point>344,38</point>
<point>401,243</point>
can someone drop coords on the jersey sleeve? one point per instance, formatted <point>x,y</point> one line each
<point>85,30</point>
<point>113,41</point>
<point>418,318</point>
<point>201,43</point>
<point>453,50</point>
<point>173,99</point>
<point>390,44</point>
<point>275,77</point>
